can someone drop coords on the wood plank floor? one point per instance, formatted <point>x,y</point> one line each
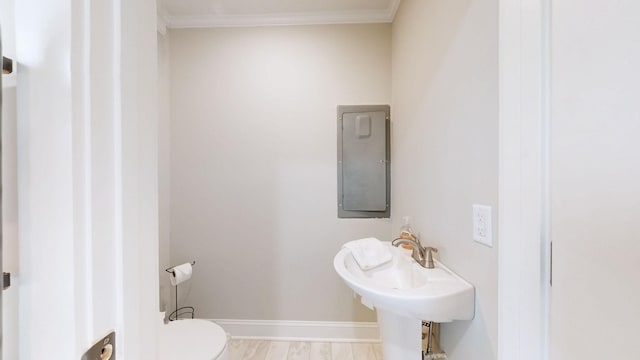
<point>242,349</point>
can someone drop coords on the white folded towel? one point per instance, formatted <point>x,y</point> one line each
<point>369,252</point>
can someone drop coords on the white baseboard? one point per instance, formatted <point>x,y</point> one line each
<point>326,331</point>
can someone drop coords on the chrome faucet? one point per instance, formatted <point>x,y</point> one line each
<point>422,255</point>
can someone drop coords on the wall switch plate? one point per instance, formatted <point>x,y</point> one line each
<point>482,225</point>
<point>103,349</point>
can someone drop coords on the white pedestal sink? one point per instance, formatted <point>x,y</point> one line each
<point>403,294</point>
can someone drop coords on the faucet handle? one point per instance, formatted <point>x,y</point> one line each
<point>417,240</point>
<point>429,256</point>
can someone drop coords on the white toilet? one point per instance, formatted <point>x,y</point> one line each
<point>192,339</point>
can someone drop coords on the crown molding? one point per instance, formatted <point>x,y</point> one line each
<point>162,22</point>
<point>393,9</point>
<point>161,25</point>
<point>326,18</point>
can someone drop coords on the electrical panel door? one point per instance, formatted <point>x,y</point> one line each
<point>363,161</point>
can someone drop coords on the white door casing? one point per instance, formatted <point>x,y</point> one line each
<point>524,255</point>
<point>9,190</point>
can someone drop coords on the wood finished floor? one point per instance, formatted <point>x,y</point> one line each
<point>283,350</point>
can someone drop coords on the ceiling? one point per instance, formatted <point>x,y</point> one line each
<point>212,13</point>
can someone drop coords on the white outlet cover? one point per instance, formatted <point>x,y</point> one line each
<point>482,225</point>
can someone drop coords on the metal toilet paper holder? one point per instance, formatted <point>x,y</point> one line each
<point>189,311</point>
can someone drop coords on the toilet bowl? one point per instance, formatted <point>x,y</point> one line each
<point>192,339</point>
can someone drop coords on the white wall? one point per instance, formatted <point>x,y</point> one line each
<point>595,173</point>
<point>253,165</point>
<point>445,147</point>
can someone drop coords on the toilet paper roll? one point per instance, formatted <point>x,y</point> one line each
<point>181,273</point>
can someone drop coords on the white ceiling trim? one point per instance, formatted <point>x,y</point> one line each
<point>393,8</point>
<point>162,21</point>
<point>351,17</point>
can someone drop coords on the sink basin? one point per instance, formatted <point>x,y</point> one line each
<point>405,288</point>
<point>403,294</point>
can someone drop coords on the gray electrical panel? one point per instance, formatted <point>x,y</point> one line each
<point>363,161</point>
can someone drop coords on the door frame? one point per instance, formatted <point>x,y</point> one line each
<point>523,225</point>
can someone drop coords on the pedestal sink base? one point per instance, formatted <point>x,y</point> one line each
<point>401,336</point>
